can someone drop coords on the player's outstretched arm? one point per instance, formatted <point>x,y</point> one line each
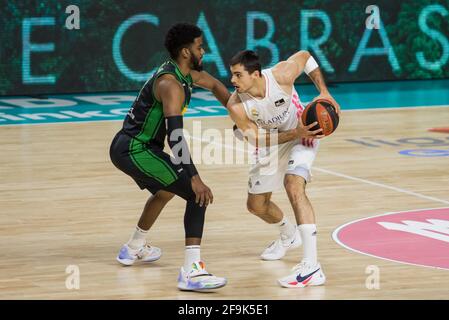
<point>206,81</point>
<point>289,70</point>
<point>317,77</point>
<point>302,61</point>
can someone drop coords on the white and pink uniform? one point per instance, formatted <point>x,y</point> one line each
<point>277,111</point>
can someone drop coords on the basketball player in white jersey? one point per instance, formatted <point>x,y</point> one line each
<point>266,107</point>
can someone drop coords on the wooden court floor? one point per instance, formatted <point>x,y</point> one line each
<point>63,203</point>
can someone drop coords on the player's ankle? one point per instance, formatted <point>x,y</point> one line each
<point>286,228</point>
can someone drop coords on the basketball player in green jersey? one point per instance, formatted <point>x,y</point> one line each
<point>137,150</point>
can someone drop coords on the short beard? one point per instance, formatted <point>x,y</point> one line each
<point>195,63</point>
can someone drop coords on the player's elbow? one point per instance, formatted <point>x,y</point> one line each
<point>304,54</point>
<point>300,58</point>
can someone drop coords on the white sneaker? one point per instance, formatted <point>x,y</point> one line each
<point>277,249</point>
<point>303,275</point>
<point>127,256</point>
<point>198,279</point>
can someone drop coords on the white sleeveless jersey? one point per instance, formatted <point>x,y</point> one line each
<point>277,110</point>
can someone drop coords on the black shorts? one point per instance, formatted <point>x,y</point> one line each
<point>151,168</point>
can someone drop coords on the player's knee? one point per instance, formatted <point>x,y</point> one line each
<point>164,196</point>
<point>295,187</point>
<point>256,207</point>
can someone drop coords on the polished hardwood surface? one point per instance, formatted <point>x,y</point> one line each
<point>63,203</point>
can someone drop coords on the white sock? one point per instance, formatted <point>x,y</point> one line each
<point>308,235</point>
<point>286,228</point>
<point>192,254</point>
<point>138,239</point>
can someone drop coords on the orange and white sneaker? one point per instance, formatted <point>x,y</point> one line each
<point>198,279</point>
<point>277,249</point>
<point>303,275</point>
<point>127,256</point>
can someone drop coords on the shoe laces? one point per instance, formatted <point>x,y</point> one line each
<point>199,270</point>
<point>142,249</point>
<point>284,237</point>
<point>300,266</point>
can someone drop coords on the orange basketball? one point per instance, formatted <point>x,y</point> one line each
<point>323,112</point>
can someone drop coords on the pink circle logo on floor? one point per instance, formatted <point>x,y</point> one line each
<point>419,237</point>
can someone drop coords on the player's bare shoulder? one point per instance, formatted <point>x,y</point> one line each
<point>285,72</point>
<point>167,81</point>
<point>167,85</point>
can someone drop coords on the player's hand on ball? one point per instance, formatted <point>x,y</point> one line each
<point>327,96</point>
<point>303,131</point>
<point>203,193</point>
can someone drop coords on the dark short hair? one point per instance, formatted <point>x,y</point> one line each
<point>180,36</point>
<point>248,59</point>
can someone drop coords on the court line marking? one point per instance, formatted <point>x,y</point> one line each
<point>338,241</point>
<point>396,108</point>
<point>336,231</point>
<point>315,168</point>
<point>242,150</point>
<point>419,195</point>
<point>341,175</point>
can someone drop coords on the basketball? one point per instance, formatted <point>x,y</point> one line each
<point>323,112</point>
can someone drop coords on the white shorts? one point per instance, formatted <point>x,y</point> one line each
<point>269,168</point>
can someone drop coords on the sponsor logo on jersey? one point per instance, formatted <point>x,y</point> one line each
<point>279,102</point>
<point>275,121</point>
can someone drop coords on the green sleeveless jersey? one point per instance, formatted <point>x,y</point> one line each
<point>145,120</point>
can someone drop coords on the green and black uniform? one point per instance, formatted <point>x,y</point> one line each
<point>137,149</point>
